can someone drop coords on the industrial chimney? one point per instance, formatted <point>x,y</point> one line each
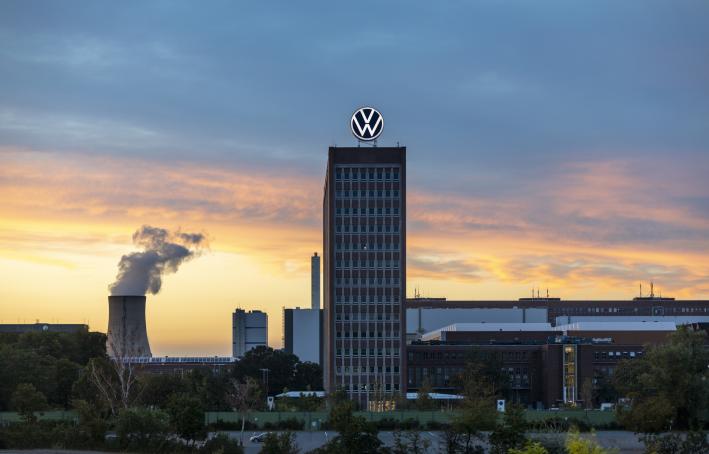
<point>127,335</point>
<point>315,282</point>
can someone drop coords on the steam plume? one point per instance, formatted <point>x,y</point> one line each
<point>164,251</point>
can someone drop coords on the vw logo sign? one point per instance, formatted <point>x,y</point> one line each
<point>367,124</point>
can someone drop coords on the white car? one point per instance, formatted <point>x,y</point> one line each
<point>258,438</point>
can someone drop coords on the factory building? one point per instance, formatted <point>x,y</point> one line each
<point>302,328</point>
<point>429,314</point>
<point>249,330</point>
<point>364,250</point>
<point>547,365</point>
<point>43,327</point>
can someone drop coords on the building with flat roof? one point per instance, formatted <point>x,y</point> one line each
<point>302,328</point>
<point>547,365</point>
<point>249,330</point>
<point>364,253</point>
<point>428,314</point>
<point>43,327</point>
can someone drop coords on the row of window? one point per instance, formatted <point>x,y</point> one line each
<point>362,212</point>
<point>367,369</point>
<point>367,174</point>
<point>616,355</point>
<point>371,228</point>
<point>371,282</point>
<point>364,299</point>
<point>363,352</point>
<point>363,388</point>
<point>367,264</point>
<point>367,247</point>
<point>363,334</point>
<point>367,317</point>
<point>362,194</point>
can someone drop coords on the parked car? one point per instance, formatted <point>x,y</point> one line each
<point>258,438</point>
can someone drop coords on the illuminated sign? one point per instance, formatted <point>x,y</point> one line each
<point>367,124</point>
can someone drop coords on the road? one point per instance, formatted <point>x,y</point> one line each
<point>624,442</point>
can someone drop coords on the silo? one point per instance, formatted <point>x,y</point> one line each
<point>127,334</point>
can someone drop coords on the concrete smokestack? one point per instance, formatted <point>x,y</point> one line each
<point>127,334</point>
<point>315,282</point>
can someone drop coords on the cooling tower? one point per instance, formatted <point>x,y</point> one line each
<point>127,335</point>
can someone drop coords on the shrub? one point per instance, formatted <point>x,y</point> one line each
<point>222,444</point>
<point>140,428</point>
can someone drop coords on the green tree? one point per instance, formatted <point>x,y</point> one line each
<point>355,434</point>
<point>423,400</point>
<point>530,447</point>
<point>693,443</point>
<point>410,442</point>
<point>307,377</point>
<point>244,398</point>
<point>510,433</point>
<point>26,400</point>
<point>157,389</point>
<point>141,428</point>
<point>577,445</point>
<point>283,443</point>
<point>281,367</point>
<point>186,416</point>
<point>92,426</point>
<point>66,374</point>
<point>668,387</point>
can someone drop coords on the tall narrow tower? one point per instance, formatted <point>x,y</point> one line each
<point>364,244</point>
<point>315,282</point>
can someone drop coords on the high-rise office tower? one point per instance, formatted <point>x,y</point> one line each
<point>364,235</point>
<point>249,330</point>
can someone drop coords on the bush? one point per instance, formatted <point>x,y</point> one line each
<point>140,428</point>
<point>222,444</point>
<point>694,442</point>
<point>283,443</point>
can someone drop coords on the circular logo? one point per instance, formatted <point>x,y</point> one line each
<point>367,124</point>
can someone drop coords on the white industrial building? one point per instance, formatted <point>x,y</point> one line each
<point>249,330</point>
<point>421,320</point>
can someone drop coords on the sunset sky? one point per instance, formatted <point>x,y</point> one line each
<point>551,144</point>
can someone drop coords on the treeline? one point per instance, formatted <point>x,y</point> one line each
<point>147,412</point>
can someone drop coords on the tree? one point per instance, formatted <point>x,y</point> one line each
<point>67,372</point>
<point>140,428</point>
<point>355,434</point>
<point>531,447</point>
<point>308,377</point>
<point>423,400</point>
<point>243,398</point>
<point>186,416</point>
<point>695,442</point>
<point>410,443</point>
<point>577,445</point>
<point>510,433</point>
<point>481,384</point>
<point>26,400</point>
<point>587,392</point>
<point>668,387</point>
<point>283,443</point>
<point>115,382</point>
<point>280,364</point>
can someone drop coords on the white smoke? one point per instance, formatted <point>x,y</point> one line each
<point>141,272</point>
